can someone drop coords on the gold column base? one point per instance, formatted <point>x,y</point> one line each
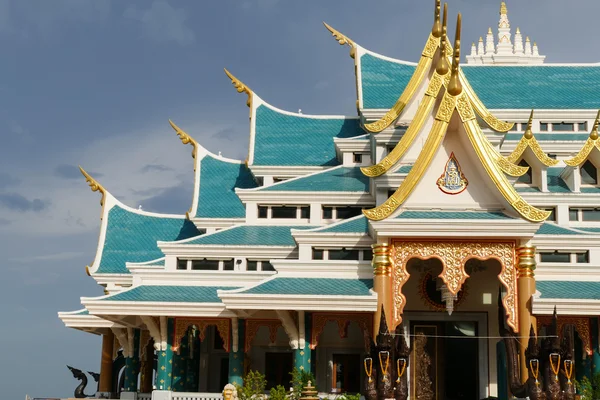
<point>382,284</point>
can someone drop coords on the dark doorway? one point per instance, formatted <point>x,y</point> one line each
<point>444,364</point>
<point>346,373</point>
<point>278,367</point>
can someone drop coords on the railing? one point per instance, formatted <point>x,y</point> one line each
<point>144,396</point>
<point>196,396</point>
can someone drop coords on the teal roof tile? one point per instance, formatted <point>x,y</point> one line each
<point>555,183</point>
<point>314,286</point>
<point>294,140</point>
<point>83,312</point>
<point>171,294</point>
<point>132,237</point>
<point>405,169</point>
<point>353,225</point>
<point>568,290</point>
<point>218,180</point>
<point>250,235</point>
<point>342,179</point>
<point>499,87</point>
<point>452,215</point>
<point>552,229</point>
<point>590,230</point>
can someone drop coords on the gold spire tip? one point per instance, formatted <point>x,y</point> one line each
<point>594,132</point>
<point>528,133</point>
<point>94,185</point>
<point>341,38</point>
<point>436,31</point>
<point>480,38</point>
<point>184,137</point>
<point>503,9</point>
<point>454,86</point>
<point>240,87</point>
<point>490,30</point>
<point>442,66</point>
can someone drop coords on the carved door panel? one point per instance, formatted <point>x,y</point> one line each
<point>425,377</point>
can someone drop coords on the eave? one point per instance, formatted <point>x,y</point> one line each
<point>87,323</point>
<point>285,171</point>
<point>347,269</point>
<point>169,309</point>
<point>586,307</point>
<point>335,239</point>
<point>298,197</point>
<point>243,301</point>
<point>204,250</point>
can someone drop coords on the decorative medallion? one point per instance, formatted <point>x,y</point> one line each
<point>452,181</point>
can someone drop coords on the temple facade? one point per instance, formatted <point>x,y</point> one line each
<point>460,201</point>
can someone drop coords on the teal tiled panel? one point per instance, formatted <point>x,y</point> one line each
<point>314,286</point>
<point>343,179</point>
<point>405,169</point>
<point>132,237</point>
<point>552,229</point>
<point>292,140</point>
<point>527,189</point>
<point>171,294</point>
<point>218,180</point>
<point>591,230</point>
<point>382,81</point>
<point>499,87</point>
<point>83,312</point>
<point>590,190</point>
<point>452,215</point>
<point>251,235</point>
<point>555,183</point>
<point>547,137</point>
<point>568,290</point>
<point>357,225</point>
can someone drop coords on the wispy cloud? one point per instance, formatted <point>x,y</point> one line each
<point>18,202</point>
<point>155,168</point>
<point>8,180</point>
<point>163,23</point>
<point>4,222</point>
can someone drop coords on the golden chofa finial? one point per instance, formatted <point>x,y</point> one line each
<point>94,185</point>
<point>594,132</point>
<point>442,66</point>
<point>503,10</point>
<point>185,138</point>
<point>341,38</point>
<point>436,31</point>
<point>528,133</point>
<point>454,86</point>
<point>240,87</point>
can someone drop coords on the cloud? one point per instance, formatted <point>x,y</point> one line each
<point>67,171</point>
<point>172,200</point>
<point>228,133</point>
<point>163,23</point>
<point>18,202</point>
<point>65,255</point>
<point>4,222</point>
<point>8,180</point>
<point>155,168</point>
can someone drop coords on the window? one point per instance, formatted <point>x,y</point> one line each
<point>205,265</point>
<point>228,265</point>
<point>343,254</point>
<point>357,157</point>
<point>367,254</point>
<point>582,126</point>
<point>266,266</point>
<point>317,254</point>
<point>348,212</point>
<point>563,127</point>
<point>555,257</point>
<point>552,216</point>
<point>182,264</point>
<point>589,173</point>
<point>305,212</point>
<point>263,211</point>
<point>390,193</point>
<point>583,257</point>
<point>573,214</point>
<point>283,212</point>
<point>552,156</point>
<point>590,214</point>
<point>258,265</point>
<point>327,212</point>
<point>514,128</point>
<point>390,148</point>
<point>252,265</point>
<point>346,373</point>
<point>279,179</point>
<point>527,177</point>
<point>260,181</point>
<point>543,127</point>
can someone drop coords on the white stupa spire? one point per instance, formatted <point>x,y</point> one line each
<point>504,36</point>
<point>473,50</point>
<point>480,50</point>
<point>490,48</point>
<point>527,46</point>
<point>536,51</point>
<point>519,42</point>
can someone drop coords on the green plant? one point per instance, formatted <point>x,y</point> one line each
<point>589,389</point>
<point>299,380</point>
<point>253,388</point>
<point>349,396</point>
<point>278,393</point>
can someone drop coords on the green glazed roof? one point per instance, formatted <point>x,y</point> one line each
<point>132,237</point>
<point>552,229</point>
<point>294,140</point>
<point>340,179</point>
<point>590,230</point>
<point>218,180</point>
<point>314,286</point>
<point>171,294</point>
<point>569,290</point>
<point>452,215</point>
<point>250,235</point>
<point>499,87</point>
<point>352,225</point>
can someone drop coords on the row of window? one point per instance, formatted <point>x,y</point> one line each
<point>205,264</point>
<point>588,173</point>
<point>564,257</point>
<point>579,214</point>
<point>303,211</point>
<point>342,254</point>
<point>555,127</point>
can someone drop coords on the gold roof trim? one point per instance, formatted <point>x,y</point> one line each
<point>94,185</point>
<point>424,65</point>
<point>591,143</point>
<point>342,39</point>
<point>241,88</point>
<point>185,139</point>
<point>528,140</point>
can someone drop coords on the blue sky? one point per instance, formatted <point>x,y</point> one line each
<point>95,82</point>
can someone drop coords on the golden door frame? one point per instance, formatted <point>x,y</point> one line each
<point>454,255</point>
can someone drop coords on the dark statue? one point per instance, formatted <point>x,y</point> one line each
<point>386,365</point>
<point>549,364</point>
<point>79,390</point>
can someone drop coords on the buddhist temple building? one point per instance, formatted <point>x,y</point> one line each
<point>455,184</point>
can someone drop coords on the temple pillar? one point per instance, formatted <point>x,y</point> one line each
<point>165,357</point>
<point>132,362</point>
<point>595,345</point>
<point>147,369</point>
<point>382,284</point>
<point>302,355</point>
<point>180,359</point>
<point>526,289</point>
<point>236,352</point>
<point>106,364</point>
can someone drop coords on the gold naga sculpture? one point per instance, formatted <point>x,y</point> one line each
<point>456,98</point>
